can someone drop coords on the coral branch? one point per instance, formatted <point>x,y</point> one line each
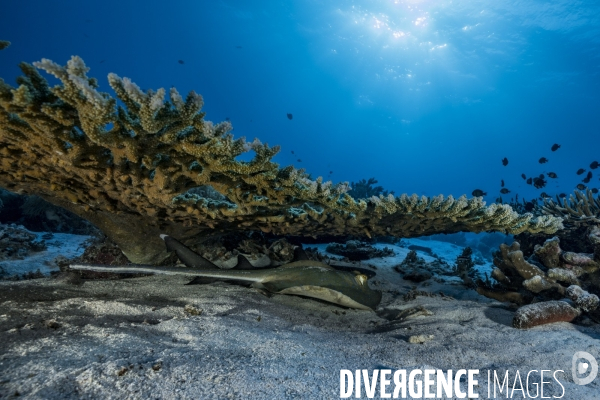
<point>580,209</point>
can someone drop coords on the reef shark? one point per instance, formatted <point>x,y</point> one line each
<point>304,277</point>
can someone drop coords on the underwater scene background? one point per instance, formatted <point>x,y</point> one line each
<point>426,97</point>
<point>146,251</point>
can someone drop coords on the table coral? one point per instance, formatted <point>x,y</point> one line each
<point>128,167</point>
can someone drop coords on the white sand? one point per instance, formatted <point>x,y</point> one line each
<point>245,345</point>
<point>60,244</point>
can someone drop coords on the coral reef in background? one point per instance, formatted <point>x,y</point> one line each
<point>4,44</point>
<point>465,268</point>
<point>549,274</point>
<point>458,239</point>
<point>133,169</point>
<point>16,242</point>
<point>364,189</point>
<point>416,269</point>
<point>355,250</point>
<point>488,244</point>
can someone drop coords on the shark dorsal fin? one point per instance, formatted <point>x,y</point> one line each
<point>299,254</point>
<point>187,256</point>
<point>243,263</point>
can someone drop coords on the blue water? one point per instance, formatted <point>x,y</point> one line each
<point>426,96</point>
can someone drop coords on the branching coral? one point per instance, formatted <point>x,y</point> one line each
<point>129,168</point>
<point>548,275</point>
<point>580,209</point>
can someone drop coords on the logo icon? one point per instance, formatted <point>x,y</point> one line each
<point>579,368</point>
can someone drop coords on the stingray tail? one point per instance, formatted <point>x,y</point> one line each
<point>135,269</point>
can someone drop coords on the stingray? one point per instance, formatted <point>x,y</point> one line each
<point>303,277</point>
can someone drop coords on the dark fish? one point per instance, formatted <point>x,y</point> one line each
<point>504,191</point>
<point>544,194</point>
<point>543,160</point>
<point>594,165</point>
<point>181,62</point>
<point>552,175</point>
<point>101,61</point>
<point>588,177</point>
<point>581,186</point>
<point>523,176</point>
<point>290,116</point>
<point>555,147</point>
<point>478,193</point>
<point>505,161</point>
<point>580,171</point>
<point>292,151</point>
<point>529,206</point>
<point>502,183</point>
<point>330,172</point>
<point>539,182</point>
<point>529,181</point>
<point>238,47</point>
<point>562,195</point>
<point>299,160</point>
<point>594,190</point>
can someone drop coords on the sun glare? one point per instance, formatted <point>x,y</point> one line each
<point>400,41</point>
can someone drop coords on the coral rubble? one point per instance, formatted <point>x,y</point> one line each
<point>132,169</point>
<point>414,268</point>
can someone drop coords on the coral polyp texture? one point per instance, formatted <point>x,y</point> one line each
<point>134,168</point>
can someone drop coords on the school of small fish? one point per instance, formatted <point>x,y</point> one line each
<point>540,181</point>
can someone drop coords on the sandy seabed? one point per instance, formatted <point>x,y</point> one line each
<point>135,338</point>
